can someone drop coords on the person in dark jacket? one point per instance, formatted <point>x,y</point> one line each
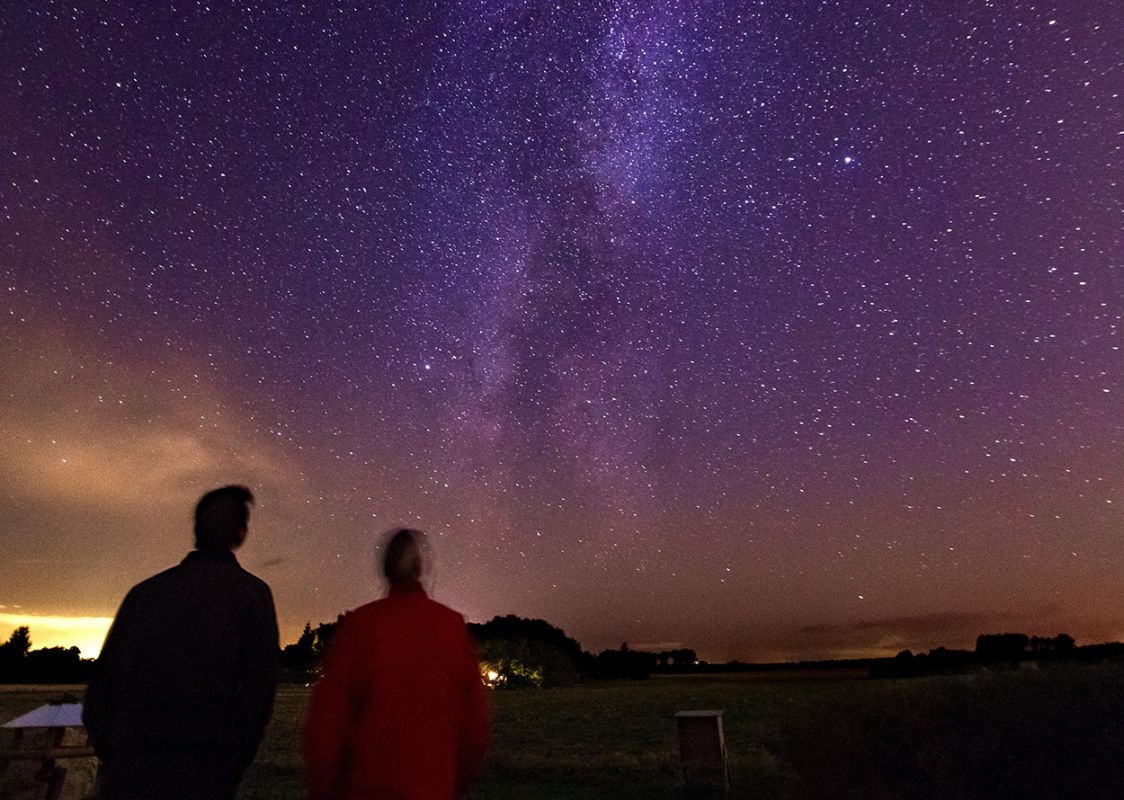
<point>399,710</point>
<point>184,685</point>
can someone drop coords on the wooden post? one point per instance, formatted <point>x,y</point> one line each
<point>702,754</point>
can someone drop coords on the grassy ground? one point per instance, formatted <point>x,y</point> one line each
<point>1049,733</point>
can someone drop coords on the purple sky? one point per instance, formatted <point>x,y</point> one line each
<point>773,329</point>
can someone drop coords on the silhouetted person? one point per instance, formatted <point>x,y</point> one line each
<point>399,710</point>
<point>184,686</point>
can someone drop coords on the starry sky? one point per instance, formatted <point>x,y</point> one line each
<point>772,329</point>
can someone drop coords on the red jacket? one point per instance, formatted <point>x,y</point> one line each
<point>399,712</point>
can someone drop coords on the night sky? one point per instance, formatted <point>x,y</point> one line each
<point>776,330</point>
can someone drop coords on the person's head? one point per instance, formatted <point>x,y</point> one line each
<point>403,560</point>
<point>222,517</point>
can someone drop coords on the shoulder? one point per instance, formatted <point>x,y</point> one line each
<point>224,573</point>
<point>253,582</point>
<point>157,584</point>
<point>396,607</point>
<point>357,625</point>
<point>251,593</point>
<point>442,618</point>
<point>364,615</point>
<point>446,613</point>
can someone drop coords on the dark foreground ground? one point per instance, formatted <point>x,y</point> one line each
<point>1046,733</point>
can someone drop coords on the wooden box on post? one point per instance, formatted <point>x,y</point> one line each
<point>702,754</point>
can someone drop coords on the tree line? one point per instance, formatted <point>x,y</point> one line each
<point>20,664</point>
<point>992,650</point>
<point>514,653</point>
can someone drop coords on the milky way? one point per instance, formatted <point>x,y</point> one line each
<point>773,329</point>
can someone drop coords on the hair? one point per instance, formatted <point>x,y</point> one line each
<point>402,558</point>
<point>221,518</point>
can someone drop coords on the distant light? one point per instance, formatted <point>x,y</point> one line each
<point>492,676</point>
<point>847,159</point>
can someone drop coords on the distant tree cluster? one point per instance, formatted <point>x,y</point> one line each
<point>300,661</point>
<point>623,664</point>
<point>992,649</point>
<point>20,664</point>
<point>1060,645</point>
<point>516,653</point>
<point>1001,646</point>
<point>1016,646</point>
<point>683,659</point>
<point>938,661</point>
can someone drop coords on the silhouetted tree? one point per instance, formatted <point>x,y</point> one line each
<point>623,663</point>
<point>18,644</point>
<point>20,664</point>
<point>56,665</point>
<point>12,654</point>
<point>300,661</point>
<point>527,652</point>
<point>1001,646</point>
<point>1060,646</point>
<point>676,660</point>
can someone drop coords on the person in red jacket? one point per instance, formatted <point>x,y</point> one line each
<point>399,711</point>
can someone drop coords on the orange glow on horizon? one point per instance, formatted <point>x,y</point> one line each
<point>85,633</point>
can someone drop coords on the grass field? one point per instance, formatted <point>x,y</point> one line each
<point>1049,733</point>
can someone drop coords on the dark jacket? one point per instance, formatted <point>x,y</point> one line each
<point>189,666</point>
<point>399,710</point>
